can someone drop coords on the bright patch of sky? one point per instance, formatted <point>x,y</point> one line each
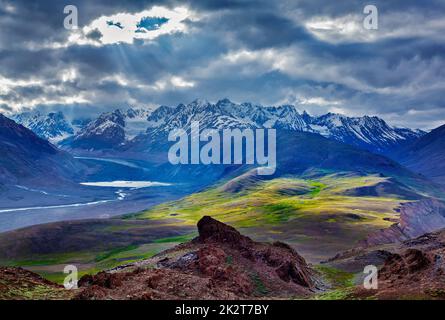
<point>127,27</point>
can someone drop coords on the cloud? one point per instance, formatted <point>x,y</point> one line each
<point>349,28</point>
<point>181,83</point>
<point>314,54</point>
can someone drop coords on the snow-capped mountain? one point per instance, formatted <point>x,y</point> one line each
<point>209,115</point>
<point>121,127</point>
<point>135,122</point>
<point>371,133</point>
<point>105,132</point>
<point>52,126</point>
<point>225,115</point>
<point>367,132</point>
<point>281,117</point>
<point>111,129</point>
<point>55,127</point>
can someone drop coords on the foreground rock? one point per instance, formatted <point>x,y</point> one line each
<point>219,264</point>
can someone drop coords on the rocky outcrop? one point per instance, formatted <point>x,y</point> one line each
<point>213,231</point>
<point>218,264</point>
<point>409,262</point>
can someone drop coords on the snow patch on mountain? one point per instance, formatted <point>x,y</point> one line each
<point>136,122</point>
<point>52,126</point>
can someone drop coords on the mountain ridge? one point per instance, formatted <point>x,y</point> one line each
<point>25,156</point>
<point>370,133</point>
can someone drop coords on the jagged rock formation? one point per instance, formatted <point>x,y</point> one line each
<point>213,231</point>
<point>218,264</point>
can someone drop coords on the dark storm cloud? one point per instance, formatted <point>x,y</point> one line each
<point>261,51</point>
<point>5,108</point>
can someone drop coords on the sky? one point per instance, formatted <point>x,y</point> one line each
<point>314,54</point>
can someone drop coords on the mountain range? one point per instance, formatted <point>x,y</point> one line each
<point>55,127</point>
<point>138,131</point>
<point>133,126</point>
